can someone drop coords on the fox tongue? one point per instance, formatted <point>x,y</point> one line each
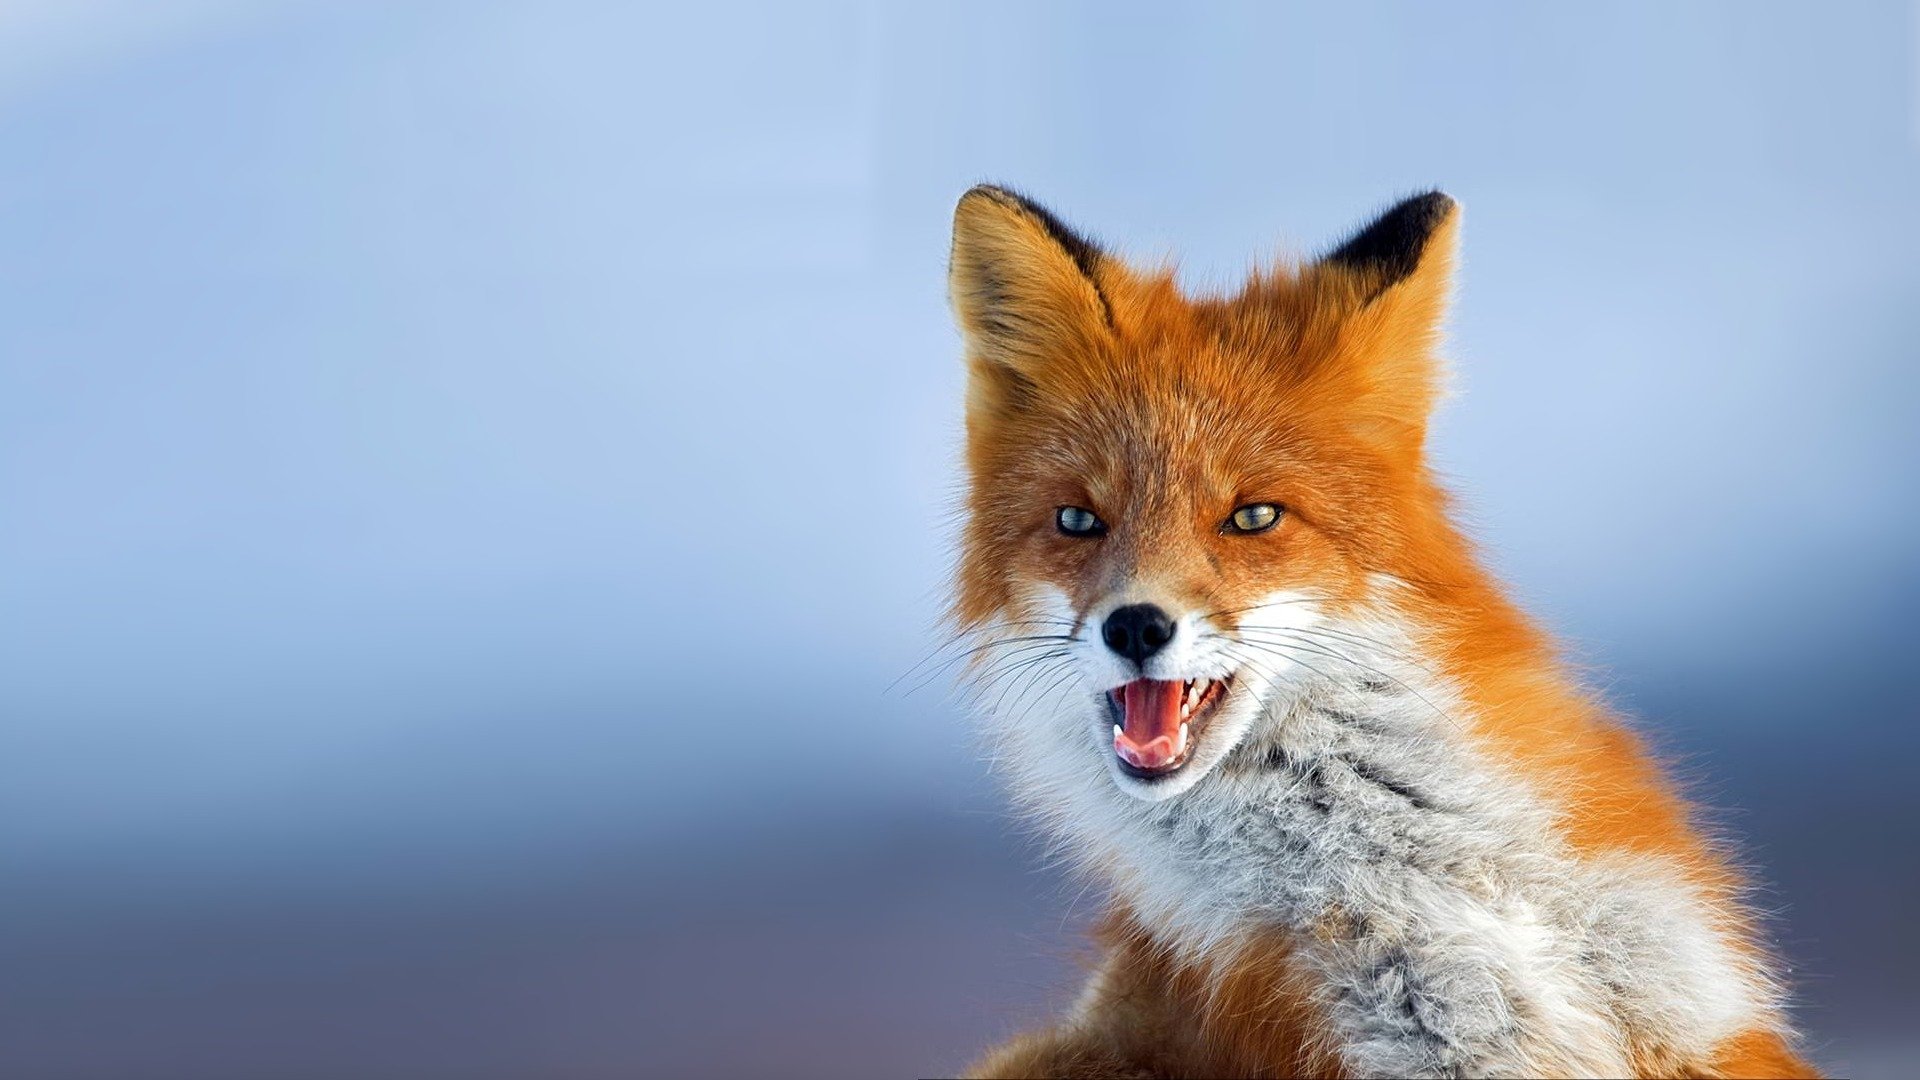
<point>1149,735</point>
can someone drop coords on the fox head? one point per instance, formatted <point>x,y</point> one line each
<point>1174,500</point>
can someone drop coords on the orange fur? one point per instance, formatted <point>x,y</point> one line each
<point>1095,384</point>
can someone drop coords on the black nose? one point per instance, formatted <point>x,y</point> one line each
<point>1137,631</point>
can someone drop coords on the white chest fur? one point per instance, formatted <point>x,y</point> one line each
<point>1453,932</point>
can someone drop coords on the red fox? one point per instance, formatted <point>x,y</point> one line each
<point>1353,814</point>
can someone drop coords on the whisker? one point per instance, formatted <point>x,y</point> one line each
<point>1390,652</point>
<point>1240,659</point>
<point>1032,676</point>
<point>1271,677</point>
<point>1437,711</point>
<point>1070,673</point>
<point>1260,607</point>
<point>1002,671</point>
<point>1356,638</point>
<point>948,662</point>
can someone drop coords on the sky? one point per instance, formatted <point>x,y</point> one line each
<point>466,454</point>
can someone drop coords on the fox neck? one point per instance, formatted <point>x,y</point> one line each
<point>1430,886</point>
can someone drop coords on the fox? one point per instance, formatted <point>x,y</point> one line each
<point>1353,813</point>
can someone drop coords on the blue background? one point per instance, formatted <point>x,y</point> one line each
<point>469,474</point>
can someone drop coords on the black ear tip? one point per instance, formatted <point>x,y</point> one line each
<point>1428,208</point>
<point>1435,203</point>
<point>991,193</point>
<point>1009,198</point>
<point>1391,246</point>
<point>1084,252</point>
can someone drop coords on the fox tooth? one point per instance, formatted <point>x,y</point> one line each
<point>1180,744</point>
<point>1117,731</point>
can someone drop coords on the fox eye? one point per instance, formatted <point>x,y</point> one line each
<point>1254,518</point>
<point>1079,521</point>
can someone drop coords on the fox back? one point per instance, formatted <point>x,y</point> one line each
<point>1353,815</point>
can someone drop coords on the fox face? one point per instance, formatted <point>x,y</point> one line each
<point>1176,502</point>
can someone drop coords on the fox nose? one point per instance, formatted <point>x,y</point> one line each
<point>1137,631</point>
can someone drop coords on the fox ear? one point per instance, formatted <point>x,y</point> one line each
<point>1395,278</point>
<point>1410,243</point>
<point>1025,289</point>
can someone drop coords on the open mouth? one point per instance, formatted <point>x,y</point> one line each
<point>1158,721</point>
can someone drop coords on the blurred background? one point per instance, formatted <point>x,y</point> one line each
<point>470,472</point>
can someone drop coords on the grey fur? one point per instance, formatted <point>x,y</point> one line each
<point>1453,931</point>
